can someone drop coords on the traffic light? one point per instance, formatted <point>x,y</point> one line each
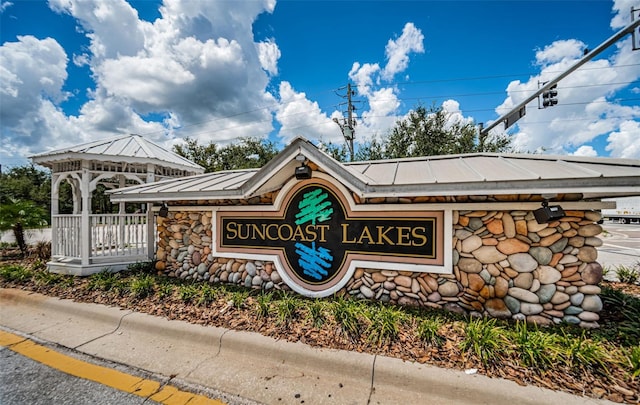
<point>549,97</point>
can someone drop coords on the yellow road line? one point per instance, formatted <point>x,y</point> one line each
<point>141,387</point>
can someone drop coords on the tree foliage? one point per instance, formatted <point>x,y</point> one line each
<point>26,183</point>
<point>430,132</point>
<point>248,153</point>
<point>30,183</point>
<point>19,215</point>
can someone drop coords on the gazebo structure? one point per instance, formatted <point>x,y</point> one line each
<point>86,242</point>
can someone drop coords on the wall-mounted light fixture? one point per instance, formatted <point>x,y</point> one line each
<point>164,210</point>
<point>303,171</point>
<point>548,213</point>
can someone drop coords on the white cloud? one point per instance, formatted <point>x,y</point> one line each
<point>624,143</point>
<point>585,150</point>
<point>299,116</point>
<point>622,16</point>
<point>269,53</point>
<point>587,99</point>
<point>5,5</point>
<point>32,73</point>
<point>384,101</point>
<point>397,52</point>
<point>197,66</point>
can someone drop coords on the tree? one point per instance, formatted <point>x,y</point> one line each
<point>246,154</point>
<point>20,215</point>
<point>338,152</point>
<point>203,155</point>
<point>30,183</point>
<point>26,183</point>
<point>429,133</point>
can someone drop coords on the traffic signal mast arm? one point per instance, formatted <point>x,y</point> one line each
<point>517,112</point>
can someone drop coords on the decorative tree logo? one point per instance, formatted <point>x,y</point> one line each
<point>314,208</point>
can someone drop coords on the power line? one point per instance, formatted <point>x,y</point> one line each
<point>459,79</point>
<point>348,123</point>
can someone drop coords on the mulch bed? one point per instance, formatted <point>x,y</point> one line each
<point>617,386</point>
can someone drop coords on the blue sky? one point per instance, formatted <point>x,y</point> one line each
<point>74,71</point>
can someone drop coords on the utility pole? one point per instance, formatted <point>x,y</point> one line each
<point>549,87</point>
<point>348,124</point>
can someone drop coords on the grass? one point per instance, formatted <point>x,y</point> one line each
<point>142,286</point>
<point>263,305</point>
<point>631,359</point>
<point>485,339</point>
<point>627,307</point>
<point>347,315</point>
<point>316,310</point>
<point>384,323</point>
<point>583,353</point>
<point>187,292</point>
<point>286,308</point>
<point>534,347</point>
<point>628,275</point>
<point>16,273</point>
<point>106,281</point>
<point>237,298</point>
<point>206,295</point>
<point>428,331</point>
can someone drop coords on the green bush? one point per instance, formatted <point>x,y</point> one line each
<point>628,275</point>
<point>316,311</point>
<point>15,272</point>
<point>142,286</point>
<point>428,331</point>
<point>535,348</point>
<point>106,281</point>
<point>627,307</point>
<point>484,339</point>
<point>263,304</point>
<point>384,323</point>
<point>187,292</point>
<point>347,315</point>
<point>286,308</point>
<point>142,267</point>
<point>206,294</point>
<point>43,250</point>
<point>580,352</point>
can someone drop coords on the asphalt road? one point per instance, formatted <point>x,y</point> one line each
<point>621,245</point>
<point>25,381</point>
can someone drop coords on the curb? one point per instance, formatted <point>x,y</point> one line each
<point>384,379</point>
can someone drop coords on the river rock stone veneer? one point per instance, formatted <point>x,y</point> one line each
<point>505,265</point>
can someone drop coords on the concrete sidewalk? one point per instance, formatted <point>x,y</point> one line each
<point>250,365</point>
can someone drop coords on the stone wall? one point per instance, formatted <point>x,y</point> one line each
<point>506,265</point>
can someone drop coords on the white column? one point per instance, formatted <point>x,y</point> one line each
<point>85,224</point>
<point>55,209</point>
<point>151,226</point>
<point>121,216</point>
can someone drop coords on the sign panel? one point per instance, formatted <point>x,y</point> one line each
<point>316,235</point>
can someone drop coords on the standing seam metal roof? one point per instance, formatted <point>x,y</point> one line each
<point>467,174</point>
<point>124,146</point>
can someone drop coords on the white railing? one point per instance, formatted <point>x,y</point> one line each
<point>65,235</point>
<point>111,235</point>
<point>118,235</point>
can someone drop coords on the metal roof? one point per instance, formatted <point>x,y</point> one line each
<point>466,174</point>
<point>127,148</point>
<point>488,167</point>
